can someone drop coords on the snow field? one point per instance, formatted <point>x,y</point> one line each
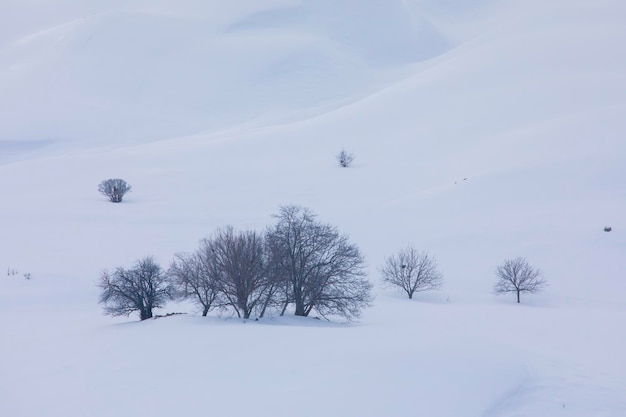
<point>481,131</point>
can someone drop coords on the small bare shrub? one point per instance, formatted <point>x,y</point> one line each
<point>345,158</point>
<point>114,189</point>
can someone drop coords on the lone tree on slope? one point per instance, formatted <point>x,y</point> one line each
<point>141,288</point>
<point>518,276</point>
<point>412,271</point>
<point>114,189</point>
<point>345,158</point>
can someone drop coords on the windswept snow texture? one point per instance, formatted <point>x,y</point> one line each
<point>482,130</point>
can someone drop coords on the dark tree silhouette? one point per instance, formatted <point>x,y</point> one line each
<point>412,271</point>
<point>192,277</point>
<point>238,264</point>
<point>321,270</point>
<point>141,288</point>
<point>518,276</point>
<point>114,189</point>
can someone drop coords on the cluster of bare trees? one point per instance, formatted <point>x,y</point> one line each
<point>299,265</point>
<point>228,270</point>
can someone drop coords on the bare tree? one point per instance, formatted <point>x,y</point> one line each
<point>238,264</point>
<point>280,294</point>
<point>192,277</point>
<point>276,292</point>
<point>114,189</point>
<point>321,270</point>
<point>141,288</point>
<point>345,158</point>
<point>518,276</point>
<point>412,271</point>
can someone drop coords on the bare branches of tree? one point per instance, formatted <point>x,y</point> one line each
<point>114,189</point>
<point>238,264</point>
<point>299,262</point>
<point>518,276</point>
<point>192,277</point>
<point>141,288</point>
<point>321,270</point>
<point>412,271</point>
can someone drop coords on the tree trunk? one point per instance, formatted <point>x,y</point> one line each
<point>299,302</point>
<point>266,303</point>
<point>517,296</point>
<point>300,309</point>
<point>145,314</point>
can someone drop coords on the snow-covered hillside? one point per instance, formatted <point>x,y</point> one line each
<point>145,70</point>
<point>482,130</point>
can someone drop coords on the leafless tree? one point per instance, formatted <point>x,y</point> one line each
<point>345,158</point>
<point>276,292</point>
<point>412,271</point>
<point>114,189</point>
<point>192,276</point>
<point>239,266</point>
<point>280,294</point>
<point>321,270</point>
<point>518,276</point>
<point>141,288</point>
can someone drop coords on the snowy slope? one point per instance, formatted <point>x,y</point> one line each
<point>111,72</point>
<point>482,130</point>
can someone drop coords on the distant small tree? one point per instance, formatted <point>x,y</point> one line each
<point>141,288</point>
<point>345,158</point>
<point>518,276</point>
<point>114,189</point>
<point>412,271</point>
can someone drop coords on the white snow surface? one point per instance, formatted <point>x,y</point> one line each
<point>482,130</point>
